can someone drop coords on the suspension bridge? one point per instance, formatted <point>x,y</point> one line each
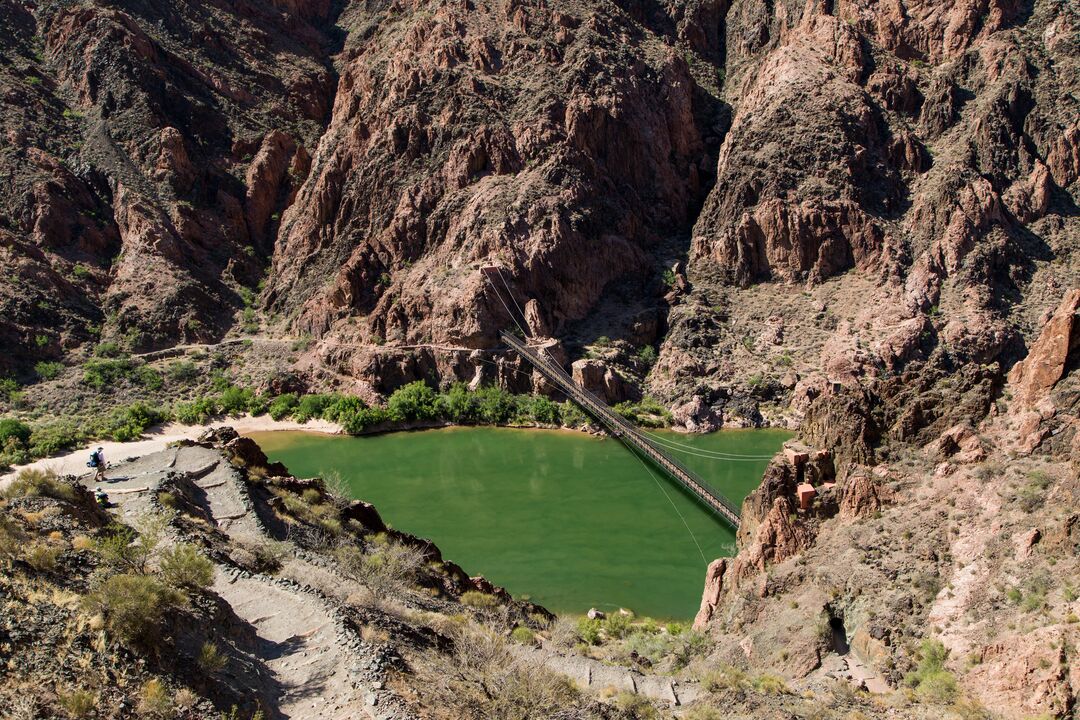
<point>619,427</point>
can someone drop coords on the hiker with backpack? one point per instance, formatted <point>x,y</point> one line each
<point>97,461</point>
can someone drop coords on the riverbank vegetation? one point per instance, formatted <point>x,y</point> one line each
<point>410,405</point>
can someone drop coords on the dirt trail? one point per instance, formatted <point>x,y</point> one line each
<point>313,664</point>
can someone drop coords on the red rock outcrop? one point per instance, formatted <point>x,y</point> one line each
<point>466,155</point>
<point>1050,355</point>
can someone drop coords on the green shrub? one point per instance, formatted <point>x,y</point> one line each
<point>182,371</point>
<point>41,557</point>
<point>647,413</point>
<point>477,599</point>
<point>616,625</point>
<point>355,422</point>
<point>647,355</point>
<point>109,350</point>
<point>235,401</point>
<point>148,377</point>
<point>183,566</point>
<point>523,635</point>
<point>589,631</point>
<point>101,373</point>
<point>46,440</point>
<point>540,409</point>
<point>39,483</point>
<point>79,271</point>
<point>210,658</point>
<point>197,412</point>
<point>494,406</point>
<point>413,402</point>
<point>129,423</point>
<point>342,408</point>
<point>572,416</point>
<point>155,701</point>
<point>930,678</point>
<point>282,406</point>
<point>12,429</point>
<point>77,703</point>
<point>259,404</point>
<point>46,370</point>
<point>134,607</point>
<point>9,389</point>
<point>128,550</point>
<point>312,406</point>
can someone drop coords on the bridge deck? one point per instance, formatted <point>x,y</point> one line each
<point>624,431</point>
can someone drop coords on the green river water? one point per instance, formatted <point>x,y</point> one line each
<point>568,520</point>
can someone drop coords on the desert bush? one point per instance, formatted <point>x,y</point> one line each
<point>479,600</point>
<point>183,566</point>
<point>48,370</point>
<point>481,679</point>
<point>588,631</point>
<point>134,607</point>
<point>211,659</point>
<point>100,373</point>
<point>770,685</point>
<point>523,635</point>
<point>616,625</point>
<point>11,539</point>
<point>130,422</point>
<point>196,412</point>
<point>77,703</point>
<point>51,438</point>
<point>235,401</point>
<point>388,568</point>
<point>41,557</point>
<point>1032,494</point>
<point>724,678</point>
<point>38,483</point>
<point>282,406</point>
<point>155,700</point>
<point>126,549</point>
<point>182,372</point>
<point>703,712</point>
<point>930,678</point>
<point>635,707</point>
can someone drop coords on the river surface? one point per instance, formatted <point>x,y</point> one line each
<point>568,520</point>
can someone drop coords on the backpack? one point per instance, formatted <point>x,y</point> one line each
<point>94,460</point>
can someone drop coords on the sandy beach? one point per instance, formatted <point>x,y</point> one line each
<point>156,439</point>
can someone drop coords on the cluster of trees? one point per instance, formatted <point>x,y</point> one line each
<point>418,402</point>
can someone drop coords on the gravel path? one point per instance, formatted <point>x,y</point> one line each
<point>315,664</point>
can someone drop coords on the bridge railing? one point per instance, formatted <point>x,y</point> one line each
<point>622,429</point>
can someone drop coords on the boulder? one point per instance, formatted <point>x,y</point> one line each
<point>599,379</point>
<point>697,416</point>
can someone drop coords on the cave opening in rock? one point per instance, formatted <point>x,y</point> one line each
<point>839,636</point>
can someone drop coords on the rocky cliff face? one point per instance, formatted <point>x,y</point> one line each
<point>148,151</point>
<point>855,218</point>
